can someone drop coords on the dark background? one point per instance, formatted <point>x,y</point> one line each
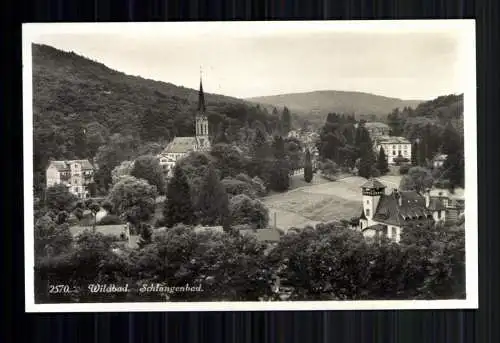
<point>348,326</point>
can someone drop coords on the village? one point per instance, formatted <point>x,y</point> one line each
<point>375,206</point>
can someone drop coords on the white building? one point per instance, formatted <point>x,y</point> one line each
<point>387,215</point>
<point>74,174</point>
<point>393,147</point>
<point>181,146</point>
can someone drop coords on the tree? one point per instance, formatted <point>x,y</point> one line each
<point>221,137</point>
<point>418,179</point>
<point>329,262</point>
<point>308,170</point>
<point>382,164</point>
<point>78,212</point>
<point>148,168</point>
<point>227,267</point>
<point>119,148</point>
<point>50,238</point>
<point>134,199</point>
<point>414,154</point>
<point>146,235</point>
<point>123,169</point>
<point>228,160</point>
<point>454,167</point>
<point>59,198</point>
<point>247,211</point>
<point>178,207</point>
<point>94,209</point>
<point>213,202</point>
<point>62,217</point>
<point>367,164</point>
<point>280,172</point>
<point>286,121</point>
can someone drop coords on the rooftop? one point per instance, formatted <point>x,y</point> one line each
<point>376,125</point>
<point>183,145</point>
<point>392,140</point>
<point>65,165</point>
<point>373,183</point>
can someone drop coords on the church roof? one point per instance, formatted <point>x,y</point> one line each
<point>201,98</point>
<point>411,209</point>
<point>181,145</point>
<point>373,183</point>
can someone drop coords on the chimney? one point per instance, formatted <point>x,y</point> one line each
<point>427,195</point>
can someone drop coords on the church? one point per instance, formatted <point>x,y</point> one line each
<point>387,215</point>
<point>179,147</point>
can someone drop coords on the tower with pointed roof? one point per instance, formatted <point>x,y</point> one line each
<point>372,190</point>
<point>201,120</point>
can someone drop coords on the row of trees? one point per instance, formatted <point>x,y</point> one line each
<point>328,262</point>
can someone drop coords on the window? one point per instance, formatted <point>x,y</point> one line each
<point>393,152</point>
<point>367,201</point>
<point>367,212</point>
<point>394,147</point>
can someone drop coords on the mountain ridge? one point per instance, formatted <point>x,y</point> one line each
<point>317,104</point>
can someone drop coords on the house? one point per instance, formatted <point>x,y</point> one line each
<point>179,147</point>
<point>394,147</point>
<point>377,129</point>
<point>74,174</point>
<point>438,160</point>
<point>454,202</point>
<point>389,214</point>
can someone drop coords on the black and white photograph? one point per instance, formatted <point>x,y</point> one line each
<point>205,166</point>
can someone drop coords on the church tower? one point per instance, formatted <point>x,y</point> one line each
<point>201,117</point>
<point>372,190</point>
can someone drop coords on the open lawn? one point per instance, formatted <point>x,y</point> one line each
<point>320,202</point>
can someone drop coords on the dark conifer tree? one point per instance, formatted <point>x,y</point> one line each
<point>178,207</point>
<point>213,202</point>
<point>382,164</point>
<point>286,121</point>
<point>308,170</point>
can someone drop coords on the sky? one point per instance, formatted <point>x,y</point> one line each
<point>257,59</point>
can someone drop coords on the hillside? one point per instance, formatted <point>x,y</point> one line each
<point>316,105</point>
<point>73,94</point>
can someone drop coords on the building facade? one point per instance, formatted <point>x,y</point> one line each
<point>394,148</point>
<point>387,215</point>
<point>74,174</point>
<point>179,147</point>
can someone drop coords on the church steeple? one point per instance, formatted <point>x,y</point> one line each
<point>201,117</point>
<point>201,97</point>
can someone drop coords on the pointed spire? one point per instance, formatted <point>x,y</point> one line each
<point>201,96</point>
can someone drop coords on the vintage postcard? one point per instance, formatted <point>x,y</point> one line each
<point>250,166</point>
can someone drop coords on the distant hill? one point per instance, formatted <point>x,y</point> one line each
<point>316,105</point>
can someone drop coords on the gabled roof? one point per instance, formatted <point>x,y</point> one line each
<point>65,165</point>
<point>373,183</point>
<point>411,210</point>
<point>181,145</point>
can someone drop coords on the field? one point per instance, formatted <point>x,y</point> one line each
<point>320,201</point>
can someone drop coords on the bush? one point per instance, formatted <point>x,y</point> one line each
<point>403,170</point>
<point>110,219</point>
<point>107,206</point>
<point>400,160</point>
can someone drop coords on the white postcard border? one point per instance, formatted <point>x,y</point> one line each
<point>467,29</point>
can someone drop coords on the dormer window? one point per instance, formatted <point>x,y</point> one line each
<point>368,201</point>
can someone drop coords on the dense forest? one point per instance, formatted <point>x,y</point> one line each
<point>81,108</point>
